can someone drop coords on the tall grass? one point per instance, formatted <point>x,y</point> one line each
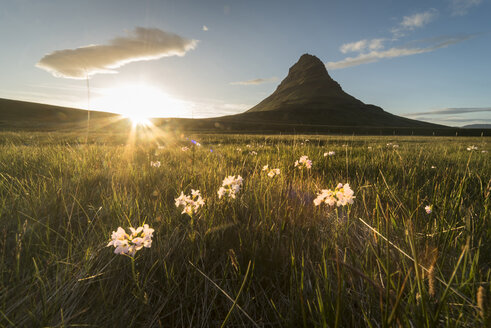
<point>267,258</point>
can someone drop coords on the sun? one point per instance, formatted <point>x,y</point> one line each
<point>139,103</point>
<point>137,120</point>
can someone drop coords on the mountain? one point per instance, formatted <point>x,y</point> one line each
<point>308,95</point>
<point>307,86</point>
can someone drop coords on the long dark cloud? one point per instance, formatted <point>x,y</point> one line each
<point>139,45</point>
<point>450,111</point>
<point>453,121</point>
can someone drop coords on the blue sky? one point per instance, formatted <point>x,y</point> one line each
<point>426,60</point>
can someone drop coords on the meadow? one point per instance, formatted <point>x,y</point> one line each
<point>412,250</point>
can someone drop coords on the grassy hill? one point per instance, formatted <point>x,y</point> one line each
<point>15,114</point>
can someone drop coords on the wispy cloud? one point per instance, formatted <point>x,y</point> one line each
<point>373,50</point>
<point>410,49</point>
<point>362,45</point>
<point>451,111</point>
<point>255,81</point>
<point>139,45</point>
<point>410,23</point>
<point>418,20</point>
<point>461,7</point>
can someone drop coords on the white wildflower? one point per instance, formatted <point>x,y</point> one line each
<point>230,186</point>
<point>341,196</point>
<point>155,164</point>
<point>471,148</point>
<point>273,172</point>
<point>428,209</point>
<point>129,244</point>
<point>191,204</point>
<point>330,153</point>
<point>304,161</point>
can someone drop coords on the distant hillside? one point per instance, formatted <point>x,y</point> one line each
<point>22,115</point>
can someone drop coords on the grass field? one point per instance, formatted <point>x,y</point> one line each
<point>269,257</point>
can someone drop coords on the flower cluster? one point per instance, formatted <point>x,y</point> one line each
<point>341,196</point>
<point>129,244</point>
<point>428,209</point>
<point>191,203</point>
<point>272,172</point>
<point>230,186</point>
<point>304,161</point>
<point>253,153</point>
<point>155,164</point>
<point>330,153</point>
<point>471,148</point>
<point>184,148</point>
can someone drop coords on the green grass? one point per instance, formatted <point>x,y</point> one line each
<point>268,258</point>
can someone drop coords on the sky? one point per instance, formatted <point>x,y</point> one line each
<point>426,60</point>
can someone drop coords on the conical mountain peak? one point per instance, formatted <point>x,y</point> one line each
<point>307,86</point>
<point>308,66</point>
<point>309,71</point>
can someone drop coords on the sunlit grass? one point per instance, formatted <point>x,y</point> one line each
<point>382,261</point>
